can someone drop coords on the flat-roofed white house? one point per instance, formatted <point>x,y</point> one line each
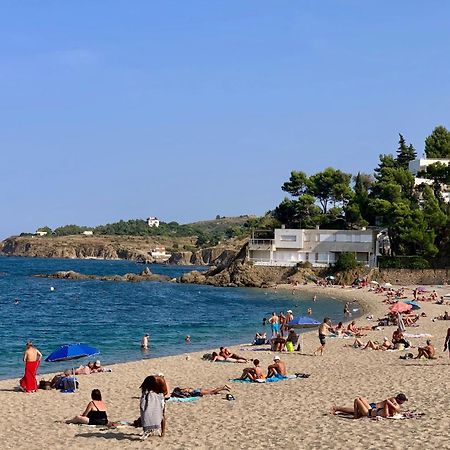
<point>418,165</point>
<point>160,253</point>
<point>153,222</point>
<point>319,247</point>
<point>87,233</point>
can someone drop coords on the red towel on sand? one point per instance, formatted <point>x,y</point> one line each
<point>29,382</point>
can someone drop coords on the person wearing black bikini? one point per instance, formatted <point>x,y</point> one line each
<point>95,412</point>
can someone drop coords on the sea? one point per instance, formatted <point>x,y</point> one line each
<point>113,316</point>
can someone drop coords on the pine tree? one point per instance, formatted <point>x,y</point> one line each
<point>405,153</point>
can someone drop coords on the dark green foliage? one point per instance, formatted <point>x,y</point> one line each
<point>346,261</point>
<point>405,153</point>
<point>403,262</point>
<point>68,230</point>
<point>437,145</point>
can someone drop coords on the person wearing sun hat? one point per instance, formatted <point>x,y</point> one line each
<point>277,369</point>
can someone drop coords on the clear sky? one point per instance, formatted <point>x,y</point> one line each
<point>186,109</point>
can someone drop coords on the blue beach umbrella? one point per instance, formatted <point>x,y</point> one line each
<point>70,352</point>
<point>303,322</point>
<point>413,304</point>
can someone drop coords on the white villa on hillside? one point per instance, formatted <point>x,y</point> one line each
<point>153,222</point>
<point>417,165</point>
<point>319,247</point>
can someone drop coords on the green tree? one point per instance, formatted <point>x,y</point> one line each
<point>346,261</point>
<point>331,186</point>
<point>297,184</point>
<point>437,145</point>
<point>405,153</point>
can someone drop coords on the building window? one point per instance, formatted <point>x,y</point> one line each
<point>288,237</point>
<point>326,237</point>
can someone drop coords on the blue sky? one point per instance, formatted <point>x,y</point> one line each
<point>186,109</point>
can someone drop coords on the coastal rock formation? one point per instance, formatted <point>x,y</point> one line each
<point>135,248</point>
<point>217,256</point>
<point>145,275</point>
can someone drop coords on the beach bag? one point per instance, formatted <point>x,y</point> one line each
<point>289,346</point>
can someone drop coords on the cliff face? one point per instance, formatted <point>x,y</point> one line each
<point>217,256</point>
<point>112,247</point>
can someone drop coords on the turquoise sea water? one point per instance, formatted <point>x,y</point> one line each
<point>113,316</point>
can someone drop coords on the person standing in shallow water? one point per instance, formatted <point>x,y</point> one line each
<point>144,342</point>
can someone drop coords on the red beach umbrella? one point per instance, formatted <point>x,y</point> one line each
<point>400,307</point>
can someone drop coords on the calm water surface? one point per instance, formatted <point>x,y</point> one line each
<point>113,316</point>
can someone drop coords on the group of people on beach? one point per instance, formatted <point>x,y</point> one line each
<point>154,394</point>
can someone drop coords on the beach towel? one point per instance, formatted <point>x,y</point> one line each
<point>267,380</point>
<point>182,400</point>
<point>29,382</point>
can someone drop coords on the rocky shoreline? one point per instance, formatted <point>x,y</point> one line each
<point>145,275</point>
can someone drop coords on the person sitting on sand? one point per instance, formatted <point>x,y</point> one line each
<point>232,357</point>
<point>152,406</point>
<point>277,343</point>
<point>362,408</point>
<point>428,351</point>
<point>95,412</point>
<point>292,340</point>
<point>179,392</point>
<point>253,373</point>
<point>277,369</point>
<point>397,338</point>
<point>353,330</point>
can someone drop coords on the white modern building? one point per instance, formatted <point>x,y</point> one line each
<point>153,222</point>
<point>418,165</point>
<point>319,247</point>
<point>160,253</point>
<point>41,233</point>
<point>87,233</point>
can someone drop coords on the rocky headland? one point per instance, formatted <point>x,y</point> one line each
<point>134,248</point>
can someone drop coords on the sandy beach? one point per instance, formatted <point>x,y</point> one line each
<point>288,414</point>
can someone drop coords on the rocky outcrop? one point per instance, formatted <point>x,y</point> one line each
<point>216,256</point>
<point>133,248</point>
<point>145,275</point>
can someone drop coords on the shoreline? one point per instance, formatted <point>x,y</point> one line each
<point>343,295</point>
<point>270,415</point>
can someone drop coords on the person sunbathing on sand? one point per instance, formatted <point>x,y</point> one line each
<point>232,357</point>
<point>386,345</point>
<point>428,351</point>
<point>362,408</point>
<point>253,373</point>
<point>179,392</point>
